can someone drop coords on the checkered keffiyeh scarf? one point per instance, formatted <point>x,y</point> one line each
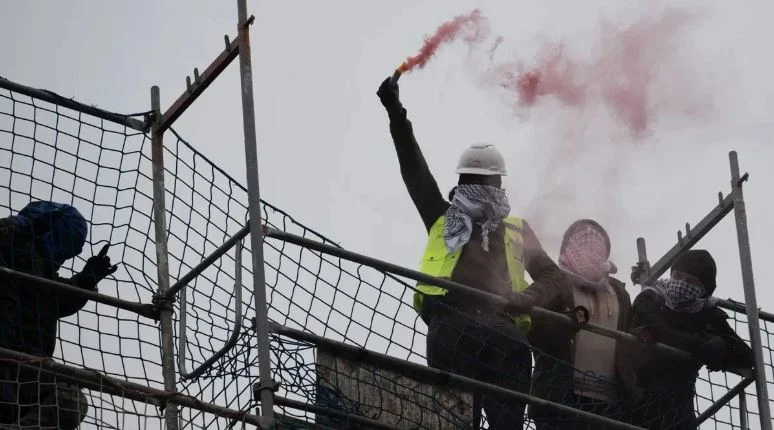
<point>484,205</point>
<point>585,254</point>
<point>681,296</point>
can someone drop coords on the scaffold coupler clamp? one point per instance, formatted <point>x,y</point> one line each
<point>580,315</point>
<point>148,119</point>
<point>248,22</point>
<point>161,303</point>
<point>258,387</point>
<point>163,400</point>
<point>639,269</point>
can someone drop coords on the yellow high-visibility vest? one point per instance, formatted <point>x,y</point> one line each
<point>439,262</point>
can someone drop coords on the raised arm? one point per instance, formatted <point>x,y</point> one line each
<point>416,175</point>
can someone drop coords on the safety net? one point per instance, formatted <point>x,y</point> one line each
<point>104,169</point>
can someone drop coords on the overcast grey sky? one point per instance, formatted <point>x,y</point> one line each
<point>325,154</point>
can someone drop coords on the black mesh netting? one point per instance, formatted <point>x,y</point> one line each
<point>52,153</point>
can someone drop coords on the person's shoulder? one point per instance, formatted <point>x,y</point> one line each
<point>515,220</point>
<point>7,222</point>
<point>618,285</point>
<point>7,226</point>
<point>715,312</point>
<point>526,229</point>
<point>649,295</point>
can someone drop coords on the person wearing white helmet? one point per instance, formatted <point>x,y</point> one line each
<point>472,240</point>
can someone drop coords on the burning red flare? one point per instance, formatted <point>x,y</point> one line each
<point>471,25</point>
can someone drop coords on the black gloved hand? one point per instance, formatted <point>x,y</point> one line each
<point>389,95</point>
<point>519,303</point>
<point>96,269</point>
<point>712,352</point>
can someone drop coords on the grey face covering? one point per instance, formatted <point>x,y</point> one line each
<point>484,205</point>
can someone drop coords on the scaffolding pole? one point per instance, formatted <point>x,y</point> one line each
<point>743,411</point>
<point>266,386</point>
<point>162,262</point>
<point>455,286</point>
<point>99,382</point>
<point>435,376</point>
<point>44,285</point>
<point>734,201</point>
<point>54,98</point>
<point>724,400</point>
<point>753,322</point>
<point>648,274</point>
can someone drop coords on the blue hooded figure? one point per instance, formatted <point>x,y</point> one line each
<point>60,228</point>
<point>37,241</point>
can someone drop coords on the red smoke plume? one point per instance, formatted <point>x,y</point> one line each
<point>472,26</point>
<point>620,74</point>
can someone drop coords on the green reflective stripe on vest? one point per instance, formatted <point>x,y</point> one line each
<point>438,262</point>
<point>514,256</point>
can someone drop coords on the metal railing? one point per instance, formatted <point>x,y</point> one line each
<point>162,308</point>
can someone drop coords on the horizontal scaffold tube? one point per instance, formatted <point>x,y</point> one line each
<point>96,381</point>
<point>48,96</point>
<point>32,281</point>
<point>455,286</point>
<point>321,410</point>
<point>435,376</point>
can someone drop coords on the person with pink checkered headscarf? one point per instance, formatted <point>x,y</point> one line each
<point>579,368</point>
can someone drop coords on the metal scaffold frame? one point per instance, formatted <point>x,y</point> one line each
<point>162,308</point>
<point>647,274</point>
<point>166,294</point>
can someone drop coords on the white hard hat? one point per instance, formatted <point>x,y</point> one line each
<point>481,159</point>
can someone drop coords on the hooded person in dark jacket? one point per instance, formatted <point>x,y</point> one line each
<point>473,241</point>
<point>678,311</point>
<point>37,241</point>
<point>576,367</point>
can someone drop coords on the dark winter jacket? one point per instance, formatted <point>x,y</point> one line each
<point>477,268</point>
<point>668,384</point>
<point>555,342</point>
<point>28,316</point>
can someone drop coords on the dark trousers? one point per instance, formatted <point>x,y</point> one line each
<point>487,347</point>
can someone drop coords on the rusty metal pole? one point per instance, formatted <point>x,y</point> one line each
<point>162,262</point>
<point>753,322</point>
<point>266,385</point>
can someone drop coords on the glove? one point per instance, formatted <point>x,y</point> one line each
<point>389,95</point>
<point>519,303</point>
<point>96,269</point>
<point>712,352</point>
